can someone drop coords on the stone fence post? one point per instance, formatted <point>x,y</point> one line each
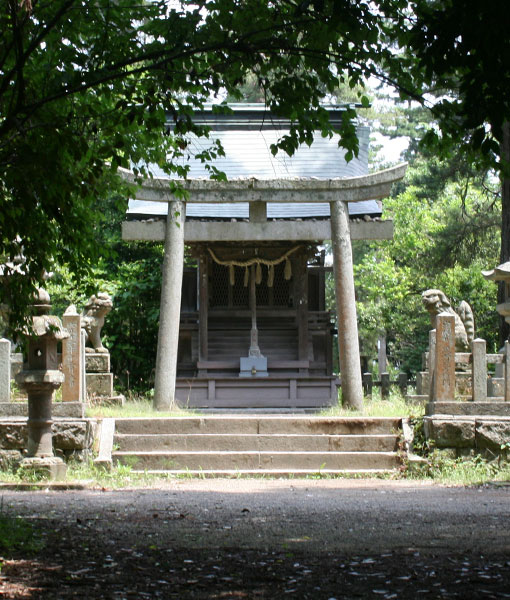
<point>506,371</point>
<point>402,383</point>
<point>479,353</point>
<point>444,364</point>
<point>385,385</point>
<point>432,362</point>
<point>367,384</point>
<point>5,370</point>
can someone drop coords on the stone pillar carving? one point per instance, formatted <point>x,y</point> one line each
<point>170,307</point>
<point>72,351</point>
<point>431,364</point>
<point>444,370</point>
<point>348,344</point>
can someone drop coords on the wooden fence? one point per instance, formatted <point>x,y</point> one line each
<point>385,384</point>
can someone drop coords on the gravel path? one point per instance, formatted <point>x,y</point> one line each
<point>265,539</point>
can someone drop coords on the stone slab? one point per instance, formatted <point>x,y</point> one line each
<point>254,424</point>
<point>463,383</point>
<point>117,400</point>
<point>493,435</point>
<point>97,362</point>
<point>258,460</point>
<point>422,383</point>
<point>59,409</point>
<point>468,408</point>
<point>451,433</point>
<point>196,231</point>
<point>67,434</point>
<point>106,437</point>
<point>99,384</point>
<point>260,443</point>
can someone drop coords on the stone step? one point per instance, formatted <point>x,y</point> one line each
<point>259,443</point>
<point>256,425</point>
<point>253,461</point>
<point>290,473</point>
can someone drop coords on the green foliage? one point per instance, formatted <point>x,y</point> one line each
<point>446,232</point>
<point>459,51</point>
<point>393,406</point>
<point>88,87</point>
<point>131,329</point>
<point>17,535</point>
<point>135,406</point>
<point>468,470</point>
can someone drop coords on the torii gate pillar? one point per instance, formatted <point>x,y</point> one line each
<point>170,307</point>
<point>348,344</point>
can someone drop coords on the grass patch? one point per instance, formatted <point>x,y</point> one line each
<point>121,476</point>
<point>469,470</point>
<point>17,535</point>
<point>395,405</point>
<point>135,406</point>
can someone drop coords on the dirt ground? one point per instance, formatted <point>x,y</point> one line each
<point>321,539</point>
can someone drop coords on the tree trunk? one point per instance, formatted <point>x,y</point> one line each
<point>504,328</point>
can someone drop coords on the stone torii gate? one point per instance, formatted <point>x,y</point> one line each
<point>337,192</point>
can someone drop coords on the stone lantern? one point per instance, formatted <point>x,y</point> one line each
<point>501,273</point>
<point>39,378</point>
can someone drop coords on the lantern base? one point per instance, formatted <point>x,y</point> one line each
<point>50,467</point>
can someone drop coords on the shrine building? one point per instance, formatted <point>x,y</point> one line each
<point>253,329</point>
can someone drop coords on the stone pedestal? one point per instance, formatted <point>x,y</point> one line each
<point>99,379</point>
<point>253,366</point>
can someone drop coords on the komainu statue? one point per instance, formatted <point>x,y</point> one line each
<point>435,301</point>
<point>92,320</point>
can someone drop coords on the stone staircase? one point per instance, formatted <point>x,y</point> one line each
<point>226,445</point>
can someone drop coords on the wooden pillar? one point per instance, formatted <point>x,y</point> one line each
<point>203,307</point>
<point>254,334</point>
<point>348,344</point>
<point>170,307</point>
<point>302,309</point>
